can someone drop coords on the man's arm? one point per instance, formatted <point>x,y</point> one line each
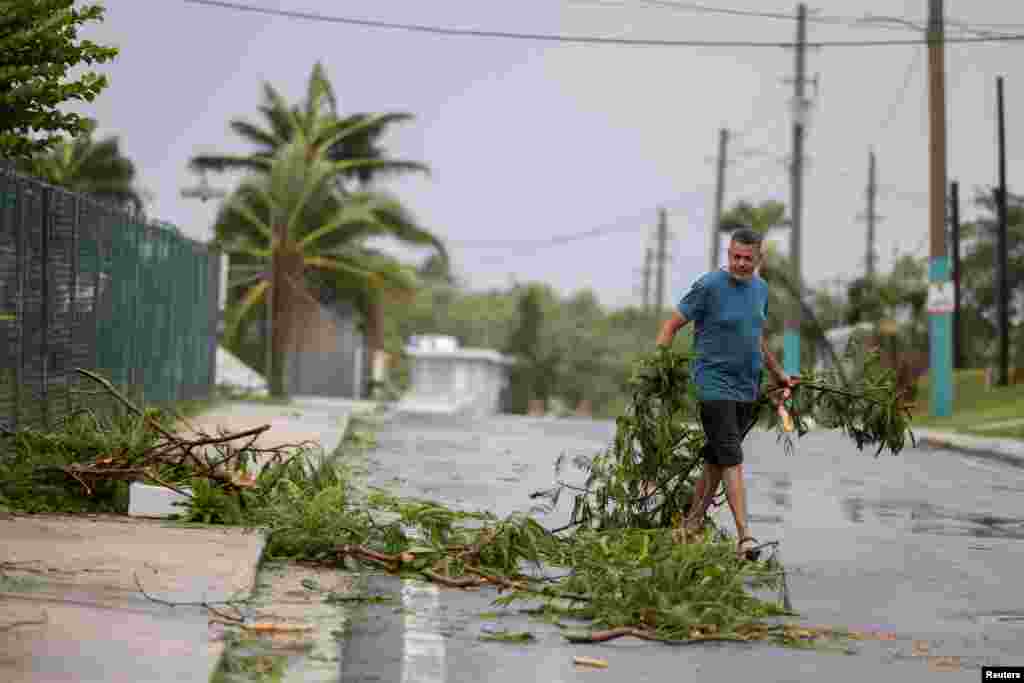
<point>669,328</point>
<point>770,362</point>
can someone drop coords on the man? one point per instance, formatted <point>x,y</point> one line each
<point>729,308</point>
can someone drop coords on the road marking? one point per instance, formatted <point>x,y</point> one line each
<point>423,649</point>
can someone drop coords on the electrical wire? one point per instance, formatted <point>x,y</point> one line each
<point>901,96</point>
<point>885,23</point>
<point>627,224</point>
<point>697,8</point>
<point>581,39</point>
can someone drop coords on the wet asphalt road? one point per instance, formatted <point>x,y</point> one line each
<point>928,545</point>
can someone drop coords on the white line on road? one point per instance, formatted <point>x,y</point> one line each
<point>423,650</point>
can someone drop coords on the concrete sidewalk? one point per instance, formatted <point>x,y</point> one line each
<point>1006,449</point>
<point>70,607</point>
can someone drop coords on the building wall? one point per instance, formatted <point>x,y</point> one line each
<point>330,356</point>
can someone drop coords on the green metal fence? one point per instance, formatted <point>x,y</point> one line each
<point>86,285</point>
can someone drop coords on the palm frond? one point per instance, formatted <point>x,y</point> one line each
<point>348,215</point>
<point>239,206</point>
<point>255,134</point>
<point>250,299</point>
<point>319,89</point>
<point>255,162</point>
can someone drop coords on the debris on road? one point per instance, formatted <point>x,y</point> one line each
<point>592,662</point>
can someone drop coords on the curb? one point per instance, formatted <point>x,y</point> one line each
<point>1005,450</point>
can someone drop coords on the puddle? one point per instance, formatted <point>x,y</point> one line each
<point>295,595</point>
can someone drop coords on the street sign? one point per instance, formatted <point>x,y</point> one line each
<point>940,297</point>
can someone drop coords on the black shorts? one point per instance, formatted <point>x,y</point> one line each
<point>725,423</point>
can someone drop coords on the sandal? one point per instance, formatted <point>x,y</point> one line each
<point>750,554</point>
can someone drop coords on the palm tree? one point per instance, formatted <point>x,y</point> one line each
<point>317,123</point>
<point>314,117</point>
<point>283,226</point>
<point>96,168</point>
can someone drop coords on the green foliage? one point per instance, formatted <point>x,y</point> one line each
<point>97,168</point>
<point>872,410</point>
<point>211,504</point>
<point>531,376</point>
<point>578,351</point>
<point>39,45</point>
<point>31,461</point>
<point>508,636</point>
<point>655,441</point>
<point>641,576</point>
<point>658,440</point>
<point>979,287</point>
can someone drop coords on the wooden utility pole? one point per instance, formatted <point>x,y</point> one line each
<point>954,217</point>
<point>649,253</point>
<point>659,296</point>
<point>791,343</point>
<point>716,228</point>
<point>1003,290</point>
<point>940,310</point>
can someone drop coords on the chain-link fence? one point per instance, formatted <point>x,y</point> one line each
<point>84,285</point>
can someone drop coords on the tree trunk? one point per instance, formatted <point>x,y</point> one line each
<point>374,329</point>
<point>291,308</point>
<point>278,328</point>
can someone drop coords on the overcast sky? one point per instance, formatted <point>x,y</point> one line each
<point>531,140</point>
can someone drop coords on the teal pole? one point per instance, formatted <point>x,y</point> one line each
<point>791,351</point>
<point>940,326</point>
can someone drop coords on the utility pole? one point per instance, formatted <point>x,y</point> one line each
<point>954,212</point>
<point>205,192</point>
<point>659,296</point>
<point>716,228</point>
<point>791,343</point>
<point>871,217</point>
<point>1003,292</point>
<point>940,313</point>
<point>647,280</point>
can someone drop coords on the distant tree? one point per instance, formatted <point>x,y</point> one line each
<point>96,168</point>
<point>39,45</point>
<point>760,217</point>
<point>979,289</point>
<point>526,380</point>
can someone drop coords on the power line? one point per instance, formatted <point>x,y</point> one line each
<point>867,21</point>
<point>580,39</point>
<point>708,9</point>
<point>635,224</point>
<point>902,94</point>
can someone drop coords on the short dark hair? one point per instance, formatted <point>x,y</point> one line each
<point>748,236</point>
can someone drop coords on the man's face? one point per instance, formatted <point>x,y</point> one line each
<point>743,260</point>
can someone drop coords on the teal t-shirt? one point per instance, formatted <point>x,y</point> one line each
<point>728,317</point>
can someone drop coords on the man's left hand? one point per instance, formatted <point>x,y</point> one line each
<point>785,380</point>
